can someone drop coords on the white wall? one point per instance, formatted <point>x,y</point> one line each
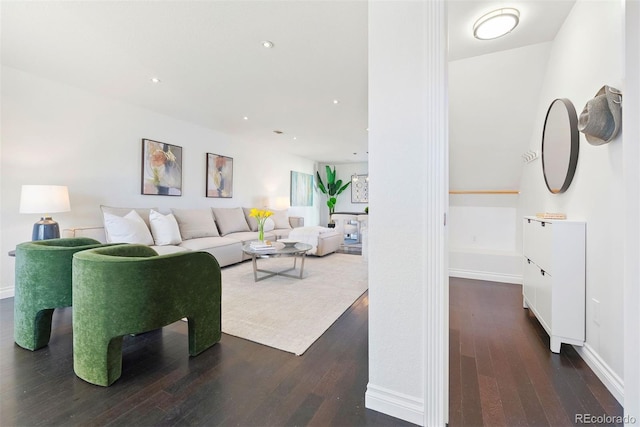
<point>630,113</point>
<point>56,134</point>
<point>483,243</point>
<point>587,54</point>
<point>408,285</point>
<point>493,100</point>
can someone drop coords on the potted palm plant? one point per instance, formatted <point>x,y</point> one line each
<point>332,190</point>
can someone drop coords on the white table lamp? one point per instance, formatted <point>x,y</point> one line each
<point>44,200</point>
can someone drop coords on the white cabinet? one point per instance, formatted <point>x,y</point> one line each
<point>554,277</point>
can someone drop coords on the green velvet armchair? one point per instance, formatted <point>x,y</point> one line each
<point>130,289</point>
<point>43,283</point>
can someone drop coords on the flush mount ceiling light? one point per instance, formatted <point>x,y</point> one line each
<point>496,24</point>
<point>267,44</point>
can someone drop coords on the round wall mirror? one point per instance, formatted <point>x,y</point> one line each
<point>560,145</point>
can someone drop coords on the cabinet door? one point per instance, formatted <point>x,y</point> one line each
<point>537,239</point>
<point>543,298</point>
<point>544,257</point>
<point>530,275</point>
<point>529,241</point>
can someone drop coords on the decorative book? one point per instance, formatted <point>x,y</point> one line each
<point>551,215</point>
<point>260,246</point>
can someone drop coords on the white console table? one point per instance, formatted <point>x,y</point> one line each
<point>554,277</point>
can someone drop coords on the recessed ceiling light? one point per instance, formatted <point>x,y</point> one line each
<point>155,80</point>
<point>335,101</point>
<point>245,118</point>
<point>496,24</point>
<point>267,44</point>
<point>295,137</point>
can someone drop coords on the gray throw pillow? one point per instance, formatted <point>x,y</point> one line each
<point>251,221</point>
<point>195,223</point>
<point>230,220</point>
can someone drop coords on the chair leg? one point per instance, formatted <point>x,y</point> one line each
<point>204,331</point>
<point>97,360</point>
<point>32,329</point>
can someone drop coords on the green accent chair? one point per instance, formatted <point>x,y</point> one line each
<point>43,283</point>
<point>130,289</point>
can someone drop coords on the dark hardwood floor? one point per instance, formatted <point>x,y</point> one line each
<point>234,383</point>
<point>501,374</point>
<point>501,370</point>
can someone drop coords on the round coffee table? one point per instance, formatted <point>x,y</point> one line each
<point>299,250</point>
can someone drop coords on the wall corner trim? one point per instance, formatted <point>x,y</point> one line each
<point>610,379</point>
<point>395,404</point>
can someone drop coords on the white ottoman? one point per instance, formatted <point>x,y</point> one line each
<point>324,240</point>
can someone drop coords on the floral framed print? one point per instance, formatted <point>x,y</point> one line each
<point>161,168</point>
<point>219,176</point>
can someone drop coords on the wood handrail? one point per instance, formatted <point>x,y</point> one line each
<point>484,192</point>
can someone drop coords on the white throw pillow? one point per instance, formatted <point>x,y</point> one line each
<point>130,228</point>
<point>269,224</point>
<point>164,229</point>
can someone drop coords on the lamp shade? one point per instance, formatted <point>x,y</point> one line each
<point>44,199</point>
<point>279,202</point>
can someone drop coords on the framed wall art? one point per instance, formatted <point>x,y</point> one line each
<point>219,176</point>
<point>161,168</point>
<point>360,189</point>
<point>301,189</point>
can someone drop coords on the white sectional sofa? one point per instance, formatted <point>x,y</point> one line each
<point>220,231</point>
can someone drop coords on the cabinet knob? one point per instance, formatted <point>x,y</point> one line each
<point>542,272</point>
<point>528,261</point>
<point>542,223</point>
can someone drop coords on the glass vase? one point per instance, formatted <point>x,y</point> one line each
<point>261,233</point>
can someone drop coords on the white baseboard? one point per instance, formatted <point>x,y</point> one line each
<point>610,379</point>
<point>395,404</point>
<point>6,292</point>
<point>484,275</point>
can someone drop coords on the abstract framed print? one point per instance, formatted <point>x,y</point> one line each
<point>219,176</point>
<point>161,168</point>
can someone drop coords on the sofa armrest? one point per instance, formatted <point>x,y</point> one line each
<point>93,232</point>
<point>296,221</point>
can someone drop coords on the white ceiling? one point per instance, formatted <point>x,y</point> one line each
<point>540,21</point>
<point>214,70</point>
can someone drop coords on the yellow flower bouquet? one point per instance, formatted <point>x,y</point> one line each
<point>261,216</point>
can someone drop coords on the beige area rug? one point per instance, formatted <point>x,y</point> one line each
<point>286,313</point>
